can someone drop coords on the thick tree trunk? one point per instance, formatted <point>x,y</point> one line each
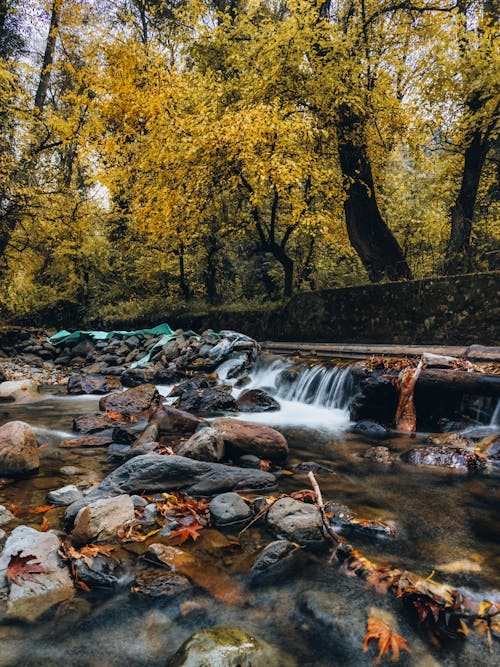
<point>458,252</point>
<point>182,275</point>
<point>48,56</point>
<point>374,242</point>
<point>211,272</point>
<point>287,263</point>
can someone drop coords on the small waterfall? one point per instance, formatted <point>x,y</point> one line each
<point>495,417</point>
<point>321,386</point>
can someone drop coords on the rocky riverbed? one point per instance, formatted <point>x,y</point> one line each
<point>201,510</point>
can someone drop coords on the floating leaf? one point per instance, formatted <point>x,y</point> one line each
<point>192,530</point>
<point>388,640</point>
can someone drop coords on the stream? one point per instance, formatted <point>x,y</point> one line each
<point>445,522</point>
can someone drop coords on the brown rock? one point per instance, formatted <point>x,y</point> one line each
<point>248,438</point>
<point>18,449</point>
<point>102,519</point>
<point>86,441</point>
<point>133,401</point>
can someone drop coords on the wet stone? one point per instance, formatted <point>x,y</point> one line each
<point>228,508</point>
<point>5,515</point>
<point>299,522</point>
<point>65,495</point>
<point>159,583</point>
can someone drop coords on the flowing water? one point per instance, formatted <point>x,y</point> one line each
<point>314,611</point>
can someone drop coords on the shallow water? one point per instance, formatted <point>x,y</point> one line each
<point>314,611</point>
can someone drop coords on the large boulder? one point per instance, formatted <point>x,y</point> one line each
<point>204,445</point>
<point>296,521</point>
<point>19,391</point>
<point>168,420</point>
<point>18,449</point>
<point>153,472</point>
<point>92,384</point>
<point>257,400</point>
<point>248,438</point>
<point>133,401</point>
<point>30,598</point>
<point>101,519</point>
<point>207,401</point>
<point>225,646</point>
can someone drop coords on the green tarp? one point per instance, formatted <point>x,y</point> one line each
<point>162,329</point>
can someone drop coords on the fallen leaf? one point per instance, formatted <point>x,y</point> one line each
<point>388,640</point>
<point>192,530</point>
<point>20,567</point>
<point>40,509</point>
<point>45,525</point>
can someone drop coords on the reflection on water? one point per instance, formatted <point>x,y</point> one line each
<point>313,611</point>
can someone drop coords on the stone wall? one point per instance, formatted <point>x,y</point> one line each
<point>457,310</point>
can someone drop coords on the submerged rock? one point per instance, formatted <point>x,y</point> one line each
<point>224,646</point>
<point>158,583</point>
<point>27,599</point>
<point>18,449</point>
<point>275,560</point>
<point>248,438</point>
<point>154,472</point>
<point>296,521</point>
<point>101,519</point>
<point>204,445</point>
<point>19,391</point>
<point>228,508</point>
<point>445,457</point>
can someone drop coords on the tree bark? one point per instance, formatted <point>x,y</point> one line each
<point>48,56</point>
<point>372,239</point>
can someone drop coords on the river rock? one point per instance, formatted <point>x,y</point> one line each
<point>133,377</point>
<point>92,384</point>
<point>28,600</point>
<point>370,428</point>
<point>89,424</point>
<point>154,472</point>
<point>19,391</point>
<point>445,457</point>
<point>195,383</point>
<point>158,583</point>
<point>87,441</point>
<point>97,572</point>
<point>224,646</point>
<point>229,508</point>
<point>296,521</point>
<point>101,519</point>
<point>207,401</point>
<point>248,438</point>
<point>257,400</point>
<point>5,515</point>
<point>204,445</point>
<point>18,449</point>
<point>65,495</point>
<point>168,420</point>
<point>3,377</point>
<point>133,401</point>
<point>275,559</point>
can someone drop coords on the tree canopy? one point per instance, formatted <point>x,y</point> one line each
<point>165,151</point>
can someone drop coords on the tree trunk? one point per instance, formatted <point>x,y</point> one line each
<point>288,267</point>
<point>211,271</point>
<point>374,242</point>
<point>182,275</point>
<point>48,56</point>
<point>458,252</point>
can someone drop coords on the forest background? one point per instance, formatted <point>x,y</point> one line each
<point>160,154</point>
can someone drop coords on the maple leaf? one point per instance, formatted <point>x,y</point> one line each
<point>192,530</point>
<point>19,567</point>
<point>387,639</point>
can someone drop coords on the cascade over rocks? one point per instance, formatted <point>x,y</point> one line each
<point>248,438</point>
<point>18,449</point>
<point>154,472</point>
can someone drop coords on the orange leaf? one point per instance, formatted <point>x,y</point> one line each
<point>19,567</point>
<point>82,585</point>
<point>40,509</point>
<point>45,525</point>
<point>387,640</point>
<point>185,532</point>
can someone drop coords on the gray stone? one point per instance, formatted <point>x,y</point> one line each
<point>154,472</point>
<point>101,519</point>
<point>229,508</point>
<point>19,391</point>
<point>5,515</point>
<point>65,495</point>
<point>27,600</point>
<point>204,445</point>
<point>299,522</point>
<point>18,449</point>
<point>257,400</point>
<point>272,554</point>
<point>138,501</point>
<point>92,384</point>
<point>158,583</point>
<point>224,646</point>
